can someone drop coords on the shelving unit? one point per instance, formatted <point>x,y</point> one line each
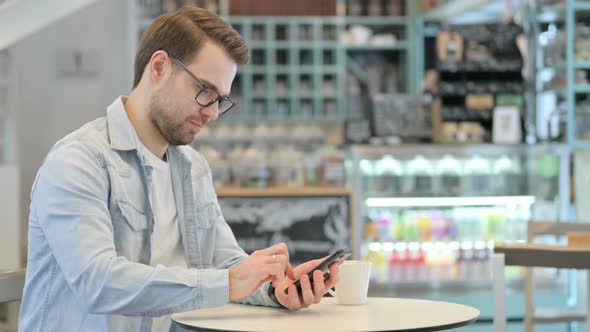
<point>576,91</point>
<point>300,65</point>
<point>296,71</point>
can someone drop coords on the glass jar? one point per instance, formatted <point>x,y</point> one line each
<point>287,167</point>
<point>389,172</point>
<point>419,177</point>
<point>449,176</point>
<point>332,171</point>
<point>478,176</point>
<point>508,177</point>
<point>256,172</point>
<point>311,169</point>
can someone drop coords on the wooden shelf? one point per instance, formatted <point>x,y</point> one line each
<point>541,255</point>
<point>282,191</point>
<point>558,315</point>
<point>376,20</point>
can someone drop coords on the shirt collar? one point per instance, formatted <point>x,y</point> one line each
<point>124,137</point>
<point>122,134</point>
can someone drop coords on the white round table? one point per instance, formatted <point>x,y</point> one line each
<point>378,314</point>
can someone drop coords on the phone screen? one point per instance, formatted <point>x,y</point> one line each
<point>324,266</point>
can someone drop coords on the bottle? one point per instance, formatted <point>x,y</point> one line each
<point>398,226</point>
<point>424,226</point>
<point>413,261</point>
<point>451,230</point>
<point>381,265</point>
<point>495,226</point>
<point>370,230</point>
<point>410,228</point>
<point>438,230</point>
<point>395,271</point>
<point>385,225</point>
<point>402,252</point>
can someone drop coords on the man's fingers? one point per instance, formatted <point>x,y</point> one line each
<point>334,276</point>
<point>318,286</point>
<point>289,271</point>
<point>274,271</point>
<point>293,298</point>
<point>307,294</point>
<point>273,259</point>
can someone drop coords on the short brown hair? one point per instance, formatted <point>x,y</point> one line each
<point>182,34</point>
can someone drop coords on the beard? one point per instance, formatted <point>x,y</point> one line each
<point>163,119</point>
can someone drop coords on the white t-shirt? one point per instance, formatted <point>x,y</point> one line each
<point>166,241</point>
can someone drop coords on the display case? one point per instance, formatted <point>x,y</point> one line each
<point>430,214</point>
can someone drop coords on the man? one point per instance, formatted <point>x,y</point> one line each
<point>125,228</point>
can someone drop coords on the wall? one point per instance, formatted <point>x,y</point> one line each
<point>56,96</point>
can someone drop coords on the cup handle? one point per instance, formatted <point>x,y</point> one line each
<point>332,291</point>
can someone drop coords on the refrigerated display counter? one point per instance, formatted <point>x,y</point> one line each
<point>428,216</point>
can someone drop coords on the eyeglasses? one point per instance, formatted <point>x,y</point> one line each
<point>207,96</point>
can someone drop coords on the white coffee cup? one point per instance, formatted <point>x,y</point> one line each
<point>354,283</point>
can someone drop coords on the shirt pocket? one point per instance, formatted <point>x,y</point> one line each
<point>205,219</point>
<point>130,230</point>
<point>131,215</point>
<point>206,216</point>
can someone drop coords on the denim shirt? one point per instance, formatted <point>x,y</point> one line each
<point>90,225</point>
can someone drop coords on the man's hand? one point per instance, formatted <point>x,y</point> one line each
<point>292,300</point>
<point>270,264</point>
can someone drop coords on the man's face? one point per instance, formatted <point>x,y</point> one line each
<point>173,108</point>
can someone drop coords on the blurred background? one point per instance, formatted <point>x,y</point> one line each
<point>415,133</point>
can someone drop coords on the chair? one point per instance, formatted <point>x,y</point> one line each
<point>538,255</point>
<point>11,290</point>
<point>12,283</point>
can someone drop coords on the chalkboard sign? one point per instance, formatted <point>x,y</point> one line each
<point>357,131</point>
<point>312,225</point>
<point>402,115</point>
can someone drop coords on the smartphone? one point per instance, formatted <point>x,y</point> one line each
<point>324,266</point>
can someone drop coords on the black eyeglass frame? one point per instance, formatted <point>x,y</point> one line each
<point>204,88</point>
